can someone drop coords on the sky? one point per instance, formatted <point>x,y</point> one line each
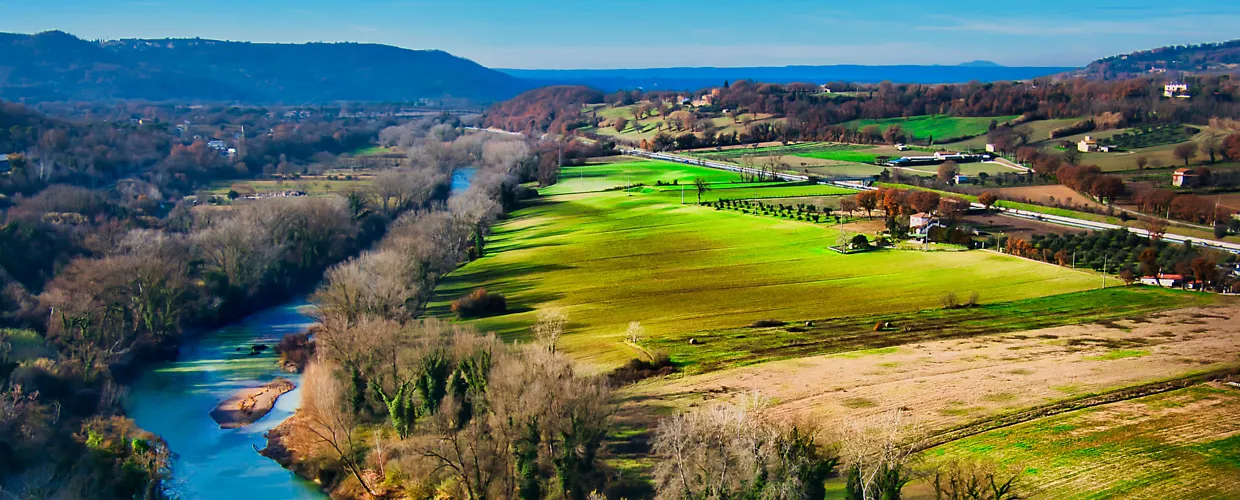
<point>574,34</point>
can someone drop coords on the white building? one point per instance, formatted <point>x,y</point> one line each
<point>1087,145</point>
<point>1176,89</point>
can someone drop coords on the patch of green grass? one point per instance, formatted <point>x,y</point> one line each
<point>1159,454</point>
<point>854,336</point>
<point>857,403</point>
<point>942,128</point>
<point>1119,354</point>
<point>849,156</point>
<point>603,176</point>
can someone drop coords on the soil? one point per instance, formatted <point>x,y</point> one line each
<point>1015,226</point>
<point>248,405</point>
<point>1051,195</point>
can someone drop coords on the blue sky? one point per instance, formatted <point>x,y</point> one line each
<point>646,33</point>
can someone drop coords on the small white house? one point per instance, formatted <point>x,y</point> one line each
<point>991,148</point>
<point>962,179</point>
<point>901,147</point>
<point>1087,145</point>
<point>1183,177</point>
<point>920,220</point>
<point>1176,89</point>
<point>1163,280</point>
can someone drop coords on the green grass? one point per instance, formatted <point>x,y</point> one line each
<point>1170,445</point>
<point>855,336</point>
<point>751,192</point>
<point>614,257</point>
<point>602,176</point>
<point>854,156</point>
<point>942,128</point>
<point>1120,354</point>
<point>373,150</point>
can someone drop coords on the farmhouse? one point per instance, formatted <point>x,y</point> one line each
<point>901,147</point>
<point>1176,90</point>
<point>1183,177</point>
<point>961,179</point>
<point>991,148</point>
<point>1163,280</point>
<point>920,220</point>
<point>1087,145</point>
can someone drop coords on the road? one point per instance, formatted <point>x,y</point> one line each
<point>857,185</point>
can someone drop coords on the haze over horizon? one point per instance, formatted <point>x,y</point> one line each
<point>539,34</point>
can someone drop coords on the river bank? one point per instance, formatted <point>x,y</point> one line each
<point>174,400</point>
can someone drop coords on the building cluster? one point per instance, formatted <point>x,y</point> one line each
<point>938,158</point>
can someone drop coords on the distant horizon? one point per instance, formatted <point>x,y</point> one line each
<point>539,34</point>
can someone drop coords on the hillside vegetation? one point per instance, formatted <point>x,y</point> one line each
<point>56,66</point>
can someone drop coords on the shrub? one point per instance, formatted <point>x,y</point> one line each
<point>480,303</point>
<point>766,323</point>
<point>659,365</point>
<point>295,350</point>
<point>949,300</point>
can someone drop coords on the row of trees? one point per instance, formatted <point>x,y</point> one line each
<point>1127,254</point>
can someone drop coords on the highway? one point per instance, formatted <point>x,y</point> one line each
<point>849,184</point>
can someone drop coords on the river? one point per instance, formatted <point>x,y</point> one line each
<point>174,401</point>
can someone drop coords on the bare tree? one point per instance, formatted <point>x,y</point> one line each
<point>877,454</point>
<point>550,327</point>
<point>326,418</point>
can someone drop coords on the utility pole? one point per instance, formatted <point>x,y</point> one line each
<point>1104,270</point>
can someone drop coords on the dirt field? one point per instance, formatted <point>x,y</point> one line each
<point>1229,200</point>
<point>1015,226</point>
<point>1049,195</point>
<point>947,383</point>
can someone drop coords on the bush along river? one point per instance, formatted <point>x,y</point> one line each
<point>174,400</point>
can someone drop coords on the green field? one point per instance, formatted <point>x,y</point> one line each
<point>855,155</point>
<point>1179,444</point>
<point>749,192</point>
<point>599,177</point>
<point>613,257</point>
<point>942,128</point>
<point>741,346</point>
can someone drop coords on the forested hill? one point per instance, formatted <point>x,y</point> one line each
<point>1221,57</point>
<point>55,66</point>
<point>611,80</point>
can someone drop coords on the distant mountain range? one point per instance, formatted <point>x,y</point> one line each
<point>56,66</point>
<point>696,78</point>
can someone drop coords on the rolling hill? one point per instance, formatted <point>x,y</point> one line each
<point>695,78</point>
<point>1220,57</point>
<point>56,66</point>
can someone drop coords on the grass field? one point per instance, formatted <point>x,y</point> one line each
<point>941,127</point>
<point>1179,444</point>
<point>614,257</point>
<point>598,177</point>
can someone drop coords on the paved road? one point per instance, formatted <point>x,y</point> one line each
<point>851,184</point>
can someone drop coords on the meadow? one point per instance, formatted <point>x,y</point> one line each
<point>940,127</point>
<point>1178,444</point>
<point>609,258</point>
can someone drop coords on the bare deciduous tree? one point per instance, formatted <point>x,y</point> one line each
<point>550,327</point>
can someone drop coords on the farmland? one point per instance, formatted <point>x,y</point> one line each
<point>939,127</point>
<point>1179,444</point>
<point>610,258</point>
<point>743,303</point>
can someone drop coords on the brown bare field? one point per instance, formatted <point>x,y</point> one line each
<point>1015,226</point>
<point>1050,195</point>
<point>948,383</point>
<point>1229,200</point>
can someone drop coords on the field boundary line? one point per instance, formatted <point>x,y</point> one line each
<point>1088,401</point>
